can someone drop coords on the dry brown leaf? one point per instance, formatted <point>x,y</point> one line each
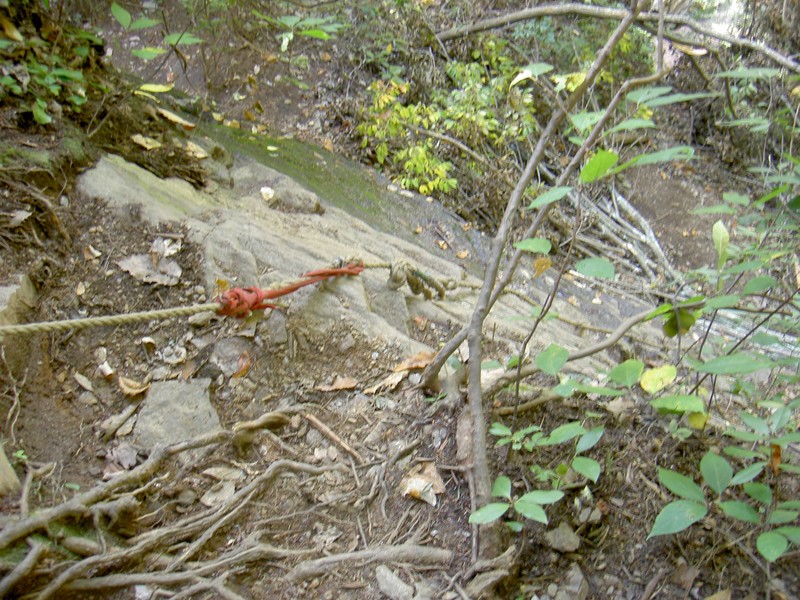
<point>131,387</point>
<point>419,361</point>
<point>145,142</point>
<point>195,151</point>
<point>327,143</point>
<point>232,123</point>
<point>387,384</point>
<point>171,116</point>
<point>442,244</point>
<point>340,383</point>
<point>721,595</point>
<point>9,29</point>
<point>422,482</point>
<point>541,265</point>
<point>462,254</point>
<point>243,364</point>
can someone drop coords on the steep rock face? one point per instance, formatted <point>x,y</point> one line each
<point>249,240</point>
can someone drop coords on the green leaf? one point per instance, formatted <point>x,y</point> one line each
<point>725,301</point>
<point>143,23</point>
<point>661,310</point>
<point>679,404</point>
<point>627,373</point>
<point>585,120</point>
<point>588,467</point>
<point>595,267</point>
<point>489,513</point>
<point>738,363</point>
<point>318,34</point>
<point>543,496</point>
<point>631,124</point>
<point>122,16</point>
<point>594,389</point>
<point>148,53</point>
<point>531,71</point>
<point>741,511</point>
<point>589,439</point>
<point>754,73</point>
<point>755,423</point>
<point>680,97</point>
<point>501,488</point>
<point>771,545</point>
<point>550,196</point>
<point>563,433</point>
<point>677,516</point>
<point>758,284</point>
<point>500,430</point>
<point>736,198</point>
<point>737,452</point>
<point>598,165</point>
<point>716,209</point>
<point>531,510</point>
<point>681,485</point>
<point>748,473</point>
<point>537,245</point>
<point>717,472</point>
<point>787,438</point>
<point>655,380</point>
<point>668,155</point>
<point>792,533</point>
<point>719,233</point>
<point>40,114</point>
<point>514,526</point>
<point>778,516</point>
<point>491,364</point>
<point>759,492</point>
<point>643,95</point>
<point>679,322</point>
<point>551,360</point>
<point>182,39</point>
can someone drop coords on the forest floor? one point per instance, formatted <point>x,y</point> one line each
<point>52,416</point>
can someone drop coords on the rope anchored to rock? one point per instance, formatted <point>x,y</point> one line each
<point>235,302</point>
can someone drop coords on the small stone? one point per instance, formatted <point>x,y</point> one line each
<point>391,585</point>
<point>562,538</point>
<point>575,587</point>
<point>552,589</point>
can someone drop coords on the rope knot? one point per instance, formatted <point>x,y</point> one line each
<point>240,302</point>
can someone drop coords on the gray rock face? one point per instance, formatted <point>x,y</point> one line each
<point>250,240</point>
<point>175,411</point>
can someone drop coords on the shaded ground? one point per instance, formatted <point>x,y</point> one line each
<point>344,509</point>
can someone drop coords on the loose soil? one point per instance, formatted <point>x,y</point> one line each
<point>51,417</point>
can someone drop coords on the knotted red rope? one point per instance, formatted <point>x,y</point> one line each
<point>240,302</point>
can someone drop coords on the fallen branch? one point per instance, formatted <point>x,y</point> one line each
<point>406,553</point>
<point>616,14</point>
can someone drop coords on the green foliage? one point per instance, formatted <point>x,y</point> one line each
<point>750,503</point>
<point>44,77</point>
<point>320,28</point>
<point>125,19</point>
<point>531,437</point>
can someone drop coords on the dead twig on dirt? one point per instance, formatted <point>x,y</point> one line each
<point>406,553</point>
<point>33,472</point>
<point>237,557</point>
<point>332,436</point>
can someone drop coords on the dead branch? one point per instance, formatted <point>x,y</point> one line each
<point>617,14</point>
<point>181,530</point>
<point>256,553</point>
<point>483,303</point>
<point>407,553</point>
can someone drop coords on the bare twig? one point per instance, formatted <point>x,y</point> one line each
<point>407,553</point>
<point>617,14</point>
<point>332,436</point>
<point>22,569</point>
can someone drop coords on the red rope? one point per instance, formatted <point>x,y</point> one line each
<point>240,302</point>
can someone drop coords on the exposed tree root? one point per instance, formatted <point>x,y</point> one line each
<point>407,553</point>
